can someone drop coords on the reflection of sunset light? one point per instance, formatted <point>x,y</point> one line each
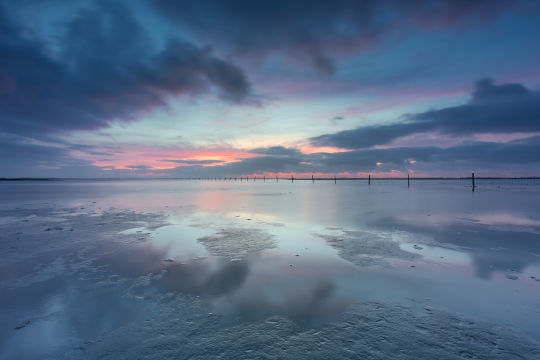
<point>491,219</point>
<point>506,219</point>
<point>379,163</point>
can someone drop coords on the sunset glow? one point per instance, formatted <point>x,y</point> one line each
<point>333,95</point>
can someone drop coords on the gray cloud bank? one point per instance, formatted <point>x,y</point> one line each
<point>318,31</point>
<point>105,68</point>
<point>500,109</point>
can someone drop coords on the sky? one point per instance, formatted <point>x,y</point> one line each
<point>215,88</point>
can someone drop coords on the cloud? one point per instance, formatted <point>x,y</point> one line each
<point>194,162</point>
<point>505,108</point>
<point>24,157</point>
<point>104,68</point>
<point>138,167</point>
<point>336,119</point>
<point>518,157</point>
<point>316,31</point>
<point>276,151</point>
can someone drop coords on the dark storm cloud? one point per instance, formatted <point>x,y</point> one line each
<point>317,30</point>
<point>104,68</point>
<point>505,108</point>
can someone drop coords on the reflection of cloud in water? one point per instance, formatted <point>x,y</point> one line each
<point>194,277</point>
<point>508,220</point>
<point>315,304</point>
<point>197,278</point>
<point>503,221</point>
<point>491,248</point>
<point>65,312</point>
<point>223,282</point>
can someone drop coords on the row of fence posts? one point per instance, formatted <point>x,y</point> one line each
<point>313,179</point>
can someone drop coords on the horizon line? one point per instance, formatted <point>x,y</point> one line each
<point>228,178</point>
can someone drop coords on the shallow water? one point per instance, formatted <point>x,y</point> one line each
<point>176,268</point>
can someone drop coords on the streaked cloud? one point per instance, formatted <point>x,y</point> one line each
<point>499,109</point>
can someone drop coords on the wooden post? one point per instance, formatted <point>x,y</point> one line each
<point>312,179</point>
<point>335,180</point>
<point>473,186</point>
<point>408,181</point>
<point>264,178</point>
<point>292,178</point>
<point>276,178</point>
<point>369,179</point>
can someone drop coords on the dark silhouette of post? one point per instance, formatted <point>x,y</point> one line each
<point>473,185</point>
<point>276,178</point>
<point>369,179</point>
<point>312,179</point>
<point>292,178</point>
<point>264,178</point>
<point>335,180</point>
<point>408,181</point>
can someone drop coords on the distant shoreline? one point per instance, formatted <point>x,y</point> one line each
<point>229,178</point>
<point>25,179</point>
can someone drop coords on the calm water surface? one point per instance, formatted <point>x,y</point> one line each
<point>80,259</point>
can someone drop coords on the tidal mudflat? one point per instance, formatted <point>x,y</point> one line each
<point>155,269</point>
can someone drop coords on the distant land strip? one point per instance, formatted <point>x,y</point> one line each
<point>227,178</point>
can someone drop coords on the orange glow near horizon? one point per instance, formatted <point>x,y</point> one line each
<point>136,157</point>
<point>309,149</point>
<point>162,159</point>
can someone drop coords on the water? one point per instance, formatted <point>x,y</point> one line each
<point>200,269</point>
